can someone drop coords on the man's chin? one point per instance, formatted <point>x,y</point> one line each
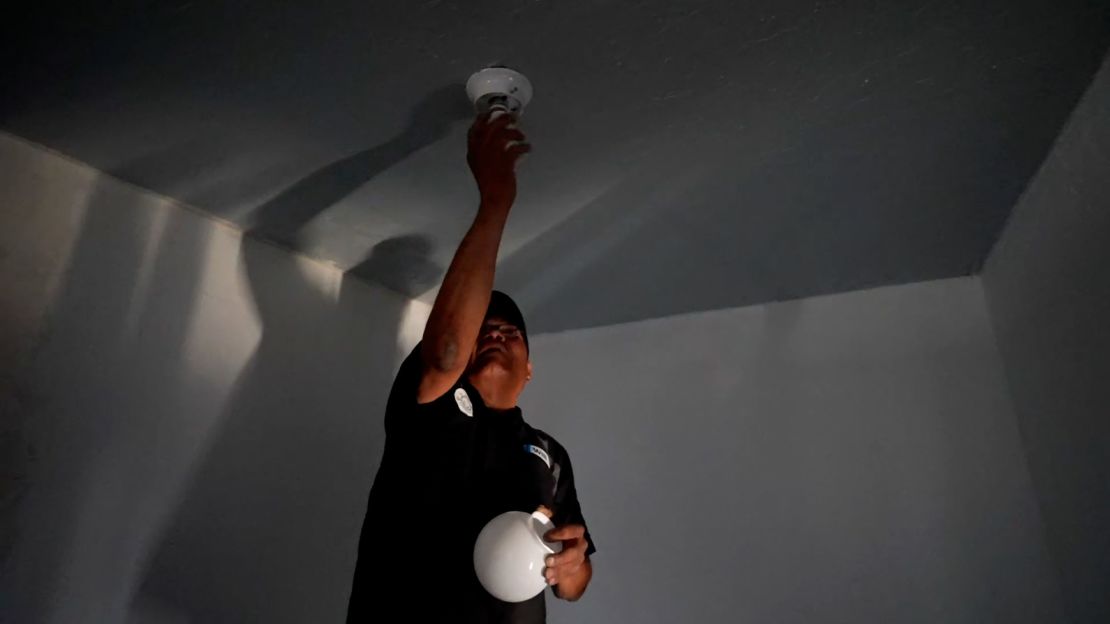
<point>491,362</point>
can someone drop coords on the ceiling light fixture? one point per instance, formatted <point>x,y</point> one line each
<point>499,88</point>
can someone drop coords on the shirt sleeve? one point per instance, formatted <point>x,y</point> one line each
<point>567,508</point>
<point>401,407</point>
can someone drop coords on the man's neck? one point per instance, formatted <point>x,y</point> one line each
<point>497,401</point>
<point>495,396</point>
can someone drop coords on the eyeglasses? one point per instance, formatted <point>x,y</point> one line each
<point>508,331</point>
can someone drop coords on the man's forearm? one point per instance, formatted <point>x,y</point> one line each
<point>461,302</point>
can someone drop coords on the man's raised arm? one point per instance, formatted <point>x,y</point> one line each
<point>493,147</point>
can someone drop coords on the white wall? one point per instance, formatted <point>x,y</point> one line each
<point>191,422</point>
<point>1048,287</point>
<point>851,458</point>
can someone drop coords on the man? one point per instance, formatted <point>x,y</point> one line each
<point>457,450</point>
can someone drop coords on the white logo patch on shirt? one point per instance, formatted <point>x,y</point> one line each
<point>463,400</point>
<point>538,452</point>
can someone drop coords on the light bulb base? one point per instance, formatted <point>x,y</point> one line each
<point>499,88</point>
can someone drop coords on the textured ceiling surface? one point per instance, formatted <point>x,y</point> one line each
<point>688,155</point>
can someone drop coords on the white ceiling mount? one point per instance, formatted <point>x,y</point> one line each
<point>499,88</point>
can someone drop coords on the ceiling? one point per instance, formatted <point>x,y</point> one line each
<point>687,156</point>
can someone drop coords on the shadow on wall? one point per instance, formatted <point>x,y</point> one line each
<point>197,457</point>
<point>268,530</point>
<point>402,264</point>
<point>115,406</point>
<point>282,218</point>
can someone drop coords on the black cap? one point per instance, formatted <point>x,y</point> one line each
<point>503,306</point>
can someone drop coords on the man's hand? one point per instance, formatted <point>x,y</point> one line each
<point>493,147</point>
<point>568,571</point>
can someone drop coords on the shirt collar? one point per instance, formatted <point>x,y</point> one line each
<point>511,416</point>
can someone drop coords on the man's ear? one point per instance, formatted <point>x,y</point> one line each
<point>529,378</point>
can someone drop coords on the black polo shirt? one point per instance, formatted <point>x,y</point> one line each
<point>450,466</point>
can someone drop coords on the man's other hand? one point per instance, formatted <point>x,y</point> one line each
<point>569,571</point>
<point>493,147</point>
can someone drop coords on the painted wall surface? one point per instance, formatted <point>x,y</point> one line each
<point>851,458</point>
<point>1048,288</point>
<point>191,421</point>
